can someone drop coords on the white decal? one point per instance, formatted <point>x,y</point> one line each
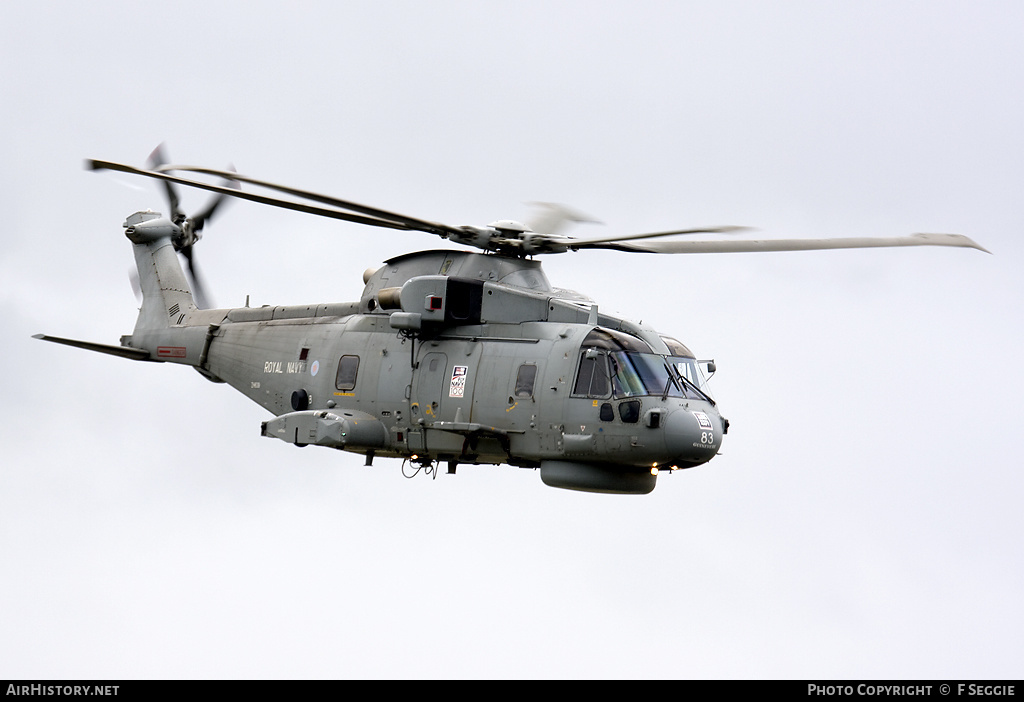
<point>703,420</point>
<point>315,368</point>
<point>284,367</point>
<point>707,431</point>
<point>458,386</point>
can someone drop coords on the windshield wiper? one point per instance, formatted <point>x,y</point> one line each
<point>671,381</point>
<point>681,383</point>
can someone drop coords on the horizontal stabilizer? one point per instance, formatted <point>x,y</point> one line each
<point>122,351</point>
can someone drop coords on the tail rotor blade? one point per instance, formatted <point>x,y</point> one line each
<point>157,159</point>
<point>133,279</point>
<point>199,295</point>
<point>200,219</point>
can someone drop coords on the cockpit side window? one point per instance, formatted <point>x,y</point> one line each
<point>592,378</point>
<point>605,367</point>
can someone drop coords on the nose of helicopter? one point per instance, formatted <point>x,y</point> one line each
<point>693,436</point>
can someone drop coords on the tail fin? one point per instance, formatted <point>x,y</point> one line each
<point>170,327</point>
<point>166,296</point>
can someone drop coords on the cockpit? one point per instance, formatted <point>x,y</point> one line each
<point>617,365</point>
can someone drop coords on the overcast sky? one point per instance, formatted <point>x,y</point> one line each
<point>863,520</point>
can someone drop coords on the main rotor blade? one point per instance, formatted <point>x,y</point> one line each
<point>413,222</point>
<point>586,243</point>
<point>757,245</point>
<point>552,217</point>
<point>96,165</point>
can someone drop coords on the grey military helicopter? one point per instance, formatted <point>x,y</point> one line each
<point>448,356</point>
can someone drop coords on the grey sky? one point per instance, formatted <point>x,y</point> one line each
<point>863,520</point>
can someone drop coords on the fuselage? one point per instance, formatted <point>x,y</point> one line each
<point>490,393</point>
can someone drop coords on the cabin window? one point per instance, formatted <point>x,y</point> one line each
<point>348,367</point>
<point>525,379</point>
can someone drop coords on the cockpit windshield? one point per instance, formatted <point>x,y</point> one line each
<point>687,367</point>
<point>617,365</point>
<point>650,374</point>
<point>685,363</point>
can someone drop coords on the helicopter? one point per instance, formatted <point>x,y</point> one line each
<point>448,356</point>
